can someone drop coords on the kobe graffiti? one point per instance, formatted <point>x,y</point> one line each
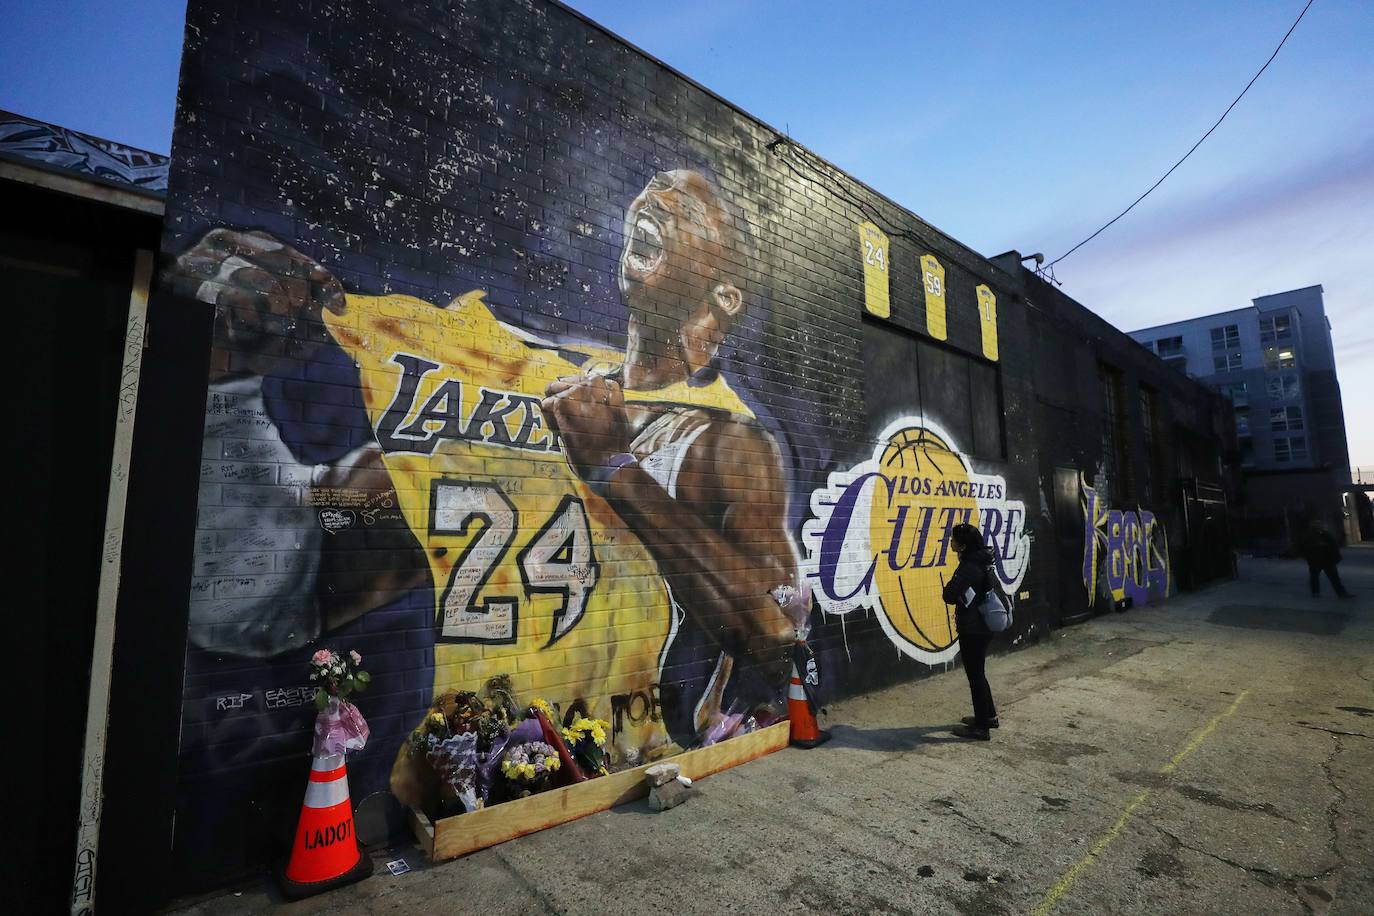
<point>607,528</point>
<point>1125,554</point>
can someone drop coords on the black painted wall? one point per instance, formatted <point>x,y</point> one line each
<point>432,149</point>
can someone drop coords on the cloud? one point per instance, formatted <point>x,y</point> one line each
<point>1313,226</point>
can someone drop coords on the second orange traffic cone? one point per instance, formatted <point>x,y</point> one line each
<point>806,733</point>
<point>325,853</point>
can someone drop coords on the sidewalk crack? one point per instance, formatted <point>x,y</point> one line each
<point>1336,731</point>
<point>1265,875</point>
<point>1338,802</point>
<point>526,883</point>
<point>949,805</point>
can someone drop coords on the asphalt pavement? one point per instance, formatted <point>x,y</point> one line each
<point>1211,754</point>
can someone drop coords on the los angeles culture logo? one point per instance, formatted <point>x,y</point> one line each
<point>879,535</point>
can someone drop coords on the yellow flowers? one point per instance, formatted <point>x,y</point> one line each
<point>583,727</point>
<point>543,706</point>
<point>527,771</point>
<point>530,763</point>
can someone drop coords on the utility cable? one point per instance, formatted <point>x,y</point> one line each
<point>1195,145</point>
<point>828,178</point>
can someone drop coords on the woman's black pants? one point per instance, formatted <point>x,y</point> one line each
<point>974,647</point>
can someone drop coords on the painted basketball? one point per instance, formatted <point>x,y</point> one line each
<point>909,523</point>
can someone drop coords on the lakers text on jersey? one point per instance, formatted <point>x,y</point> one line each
<point>534,575</point>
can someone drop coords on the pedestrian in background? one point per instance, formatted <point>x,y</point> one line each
<point>1319,548</point>
<point>971,581</point>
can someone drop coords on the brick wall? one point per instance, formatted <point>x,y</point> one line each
<point>409,219</point>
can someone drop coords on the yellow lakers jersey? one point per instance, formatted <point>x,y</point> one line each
<point>534,575</point>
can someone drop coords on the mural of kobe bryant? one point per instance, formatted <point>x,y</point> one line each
<point>669,527</point>
<point>702,486</point>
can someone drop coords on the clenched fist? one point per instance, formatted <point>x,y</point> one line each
<point>267,295</point>
<point>588,413</point>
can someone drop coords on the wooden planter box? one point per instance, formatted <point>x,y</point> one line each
<point>464,833</point>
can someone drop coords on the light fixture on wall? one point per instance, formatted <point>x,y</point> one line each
<point>1041,271</point>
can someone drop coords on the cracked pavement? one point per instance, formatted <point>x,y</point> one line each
<point>1271,812</point>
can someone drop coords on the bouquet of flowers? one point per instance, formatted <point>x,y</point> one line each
<point>586,738</point>
<point>338,675</point>
<point>511,749</point>
<point>529,767</point>
<point>455,762</point>
<point>501,696</point>
<point>339,727</point>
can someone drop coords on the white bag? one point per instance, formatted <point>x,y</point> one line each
<point>994,607</point>
<point>995,613</point>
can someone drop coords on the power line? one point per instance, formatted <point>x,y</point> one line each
<point>1195,145</point>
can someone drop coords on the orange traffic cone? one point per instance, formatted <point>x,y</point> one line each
<point>805,732</point>
<point>325,854</point>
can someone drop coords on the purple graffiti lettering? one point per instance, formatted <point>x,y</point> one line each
<point>1127,549</point>
<point>1008,552</point>
<point>832,542</point>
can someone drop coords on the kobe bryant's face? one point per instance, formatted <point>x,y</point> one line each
<point>674,244</point>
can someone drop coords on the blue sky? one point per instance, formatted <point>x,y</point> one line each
<point>1006,125</point>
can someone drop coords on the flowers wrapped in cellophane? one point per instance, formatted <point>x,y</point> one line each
<point>459,741</point>
<point>511,749</point>
<point>455,761</point>
<point>339,727</point>
<point>530,767</point>
<point>586,738</point>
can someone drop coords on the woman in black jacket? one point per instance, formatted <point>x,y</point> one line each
<point>964,589</point>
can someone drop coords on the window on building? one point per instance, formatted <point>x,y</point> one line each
<point>1169,346</point>
<point>1242,421</point>
<point>1114,441</point>
<point>1238,392</point>
<point>1285,418</point>
<point>1280,358</point>
<point>1229,362</point>
<point>1283,387</point>
<point>1154,472</point>
<point>1226,338</point>
<point>1275,329</point>
<point>1290,448</point>
<point>910,376</point>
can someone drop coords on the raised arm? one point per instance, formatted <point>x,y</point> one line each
<point>722,545</point>
<point>267,297</point>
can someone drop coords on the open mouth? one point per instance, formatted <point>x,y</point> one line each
<point>646,245</point>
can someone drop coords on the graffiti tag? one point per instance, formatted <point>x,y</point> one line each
<point>288,697</point>
<point>1125,554</point>
<point>336,520</point>
<point>233,701</point>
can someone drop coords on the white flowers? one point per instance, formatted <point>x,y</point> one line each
<point>339,675</point>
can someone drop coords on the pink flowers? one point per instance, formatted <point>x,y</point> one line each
<point>339,675</point>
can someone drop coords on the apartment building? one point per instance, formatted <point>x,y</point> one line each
<point>1275,361</point>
